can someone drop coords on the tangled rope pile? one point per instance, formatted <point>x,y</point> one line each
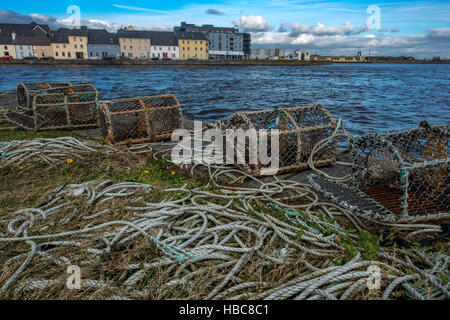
<point>48,150</point>
<point>197,236</point>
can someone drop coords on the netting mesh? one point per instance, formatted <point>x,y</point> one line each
<point>300,129</point>
<point>67,107</point>
<point>406,171</point>
<point>140,119</point>
<point>27,90</point>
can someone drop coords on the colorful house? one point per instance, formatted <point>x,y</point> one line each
<point>164,45</point>
<point>192,45</point>
<point>70,43</point>
<point>25,40</point>
<point>102,43</point>
<point>134,44</point>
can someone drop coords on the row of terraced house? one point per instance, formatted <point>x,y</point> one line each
<point>187,41</point>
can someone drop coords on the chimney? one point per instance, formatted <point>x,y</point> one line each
<point>13,35</point>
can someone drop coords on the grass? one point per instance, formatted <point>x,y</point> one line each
<point>18,134</point>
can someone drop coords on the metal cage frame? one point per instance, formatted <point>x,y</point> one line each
<point>413,163</point>
<point>300,128</point>
<point>146,110</point>
<point>68,107</point>
<point>26,90</point>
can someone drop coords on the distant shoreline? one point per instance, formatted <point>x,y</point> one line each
<point>121,62</point>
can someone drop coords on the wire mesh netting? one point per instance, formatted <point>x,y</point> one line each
<point>67,107</point>
<point>27,90</point>
<point>406,171</point>
<point>140,119</point>
<point>300,129</point>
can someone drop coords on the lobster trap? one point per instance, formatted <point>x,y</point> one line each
<point>67,107</point>
<point>140,119</point>
<point>26,91</point>
<point>300,129</point>
<point>406,171</point>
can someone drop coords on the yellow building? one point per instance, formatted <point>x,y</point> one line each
<point>70,43</point>
<point>192,45</point>
<point>134,44</point>
<point>7,48</point>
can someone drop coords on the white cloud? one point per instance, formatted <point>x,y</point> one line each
<point>321,29</point>
<point>432,42</point>
<point>252,24</point>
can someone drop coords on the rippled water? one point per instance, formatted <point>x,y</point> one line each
<point>369,97</point>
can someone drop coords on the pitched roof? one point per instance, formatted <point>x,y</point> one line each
<point>190,35</point>
<point>19,29</point>
<point>6,39</point>
<point>136,34</point>
<point>101,36</point>
<point>163,38</point>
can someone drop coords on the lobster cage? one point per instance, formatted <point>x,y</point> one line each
<point>27,90</point>
<point>406,171</point>
<point>300,129</point>
<point>66,107</point>
<point>140,119</point>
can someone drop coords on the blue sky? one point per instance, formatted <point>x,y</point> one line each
<point>309,23</point>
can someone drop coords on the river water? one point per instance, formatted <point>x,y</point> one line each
<point>369,97</point>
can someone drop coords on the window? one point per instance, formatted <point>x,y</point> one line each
<point>160,48</point>
<point>130,55</point>
<point>131,47</point>
<point>21,48</point>
<point>195,48</point>
<point>56,53</point>
<point>57,47</point>
<point>63,54</point>
<point>173,55</point>
<point>75,46</point>
<point>74,38</point>
<point>64,46</point>
<point>68,54</point>
<point>91,54</point>
<point>6,47</point>
<point>81,46</point>
<point>81,39</point>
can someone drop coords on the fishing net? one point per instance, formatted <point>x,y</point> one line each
<point>27,90</point>
<point>300,129</point>
<point>406,171</point>
<point>140,119</point>
<point>67,107</point>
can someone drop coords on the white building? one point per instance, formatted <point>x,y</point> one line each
<point>164,45</point>
<point>302,55</point>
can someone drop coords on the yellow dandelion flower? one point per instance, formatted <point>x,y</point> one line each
<point>173,173</point>
<point>69,161</point>
<point>21,167</point>
<point>146,172</point>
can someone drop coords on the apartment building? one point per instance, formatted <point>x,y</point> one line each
<point>224,43</point>
<point>134,44</point>
<point>102,43</point>
<point>25,40</point>
<point>164,45</point>
<point>70,43</point>
<point>192,45</point>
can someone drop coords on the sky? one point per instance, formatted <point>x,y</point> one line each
<point>410,28</point>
